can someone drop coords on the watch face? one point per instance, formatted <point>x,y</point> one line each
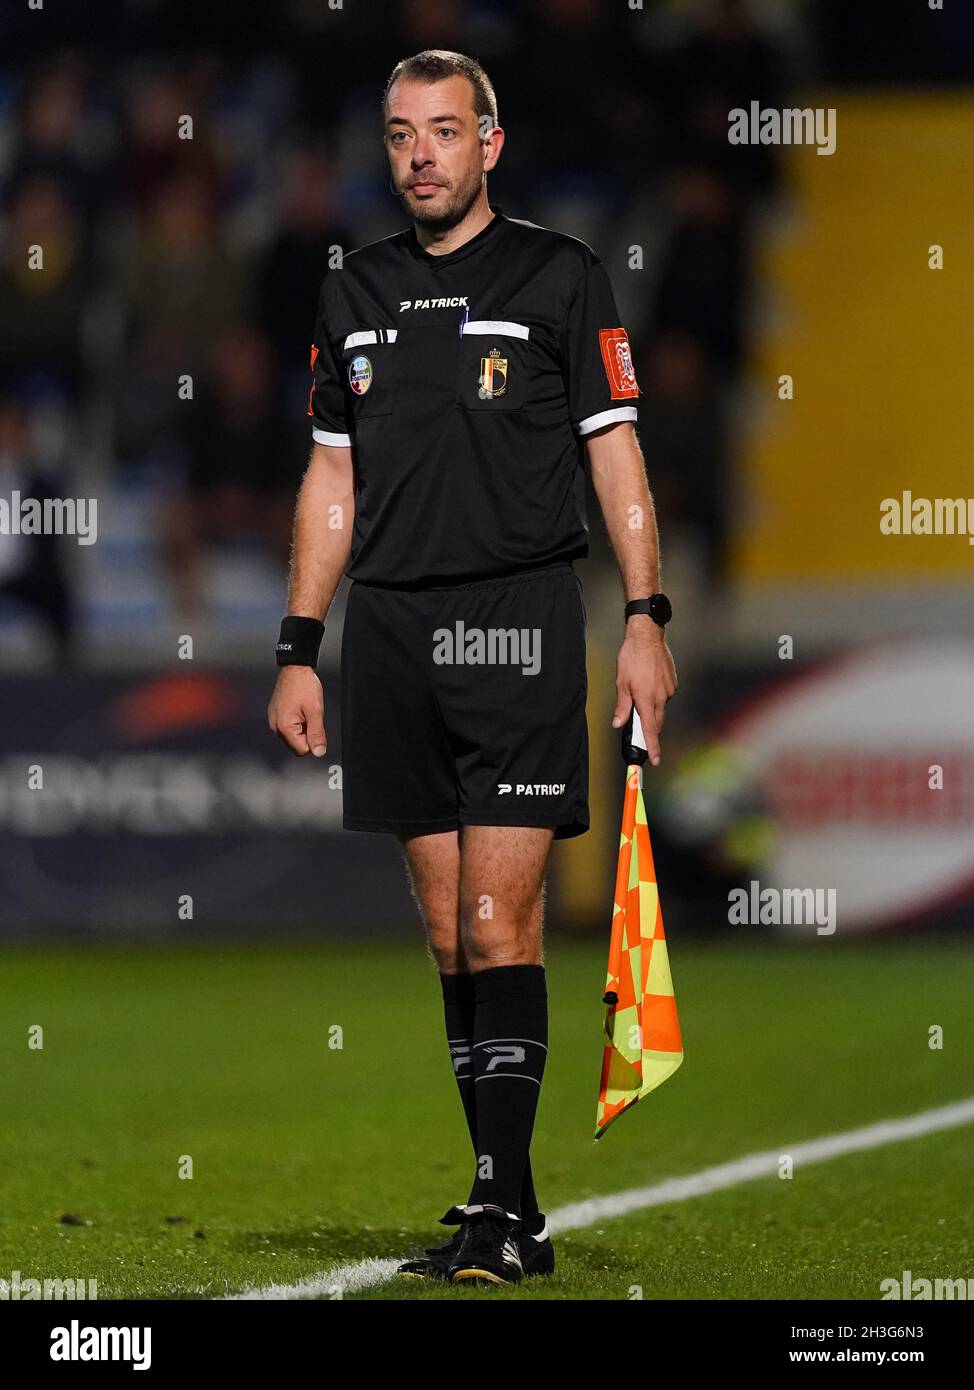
<point>660,609</point>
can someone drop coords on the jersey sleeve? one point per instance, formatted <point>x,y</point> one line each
<point>327,404</point>
<point>601,379</point>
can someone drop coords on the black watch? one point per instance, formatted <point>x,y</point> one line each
<point>657,607</point>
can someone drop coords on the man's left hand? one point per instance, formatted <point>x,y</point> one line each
<point>646,677</point>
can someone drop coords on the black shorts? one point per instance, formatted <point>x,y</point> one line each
<point>465,705</point>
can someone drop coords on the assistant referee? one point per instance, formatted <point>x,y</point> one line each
<point>459,368</point>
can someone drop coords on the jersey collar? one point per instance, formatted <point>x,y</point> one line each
<point>467,249</point>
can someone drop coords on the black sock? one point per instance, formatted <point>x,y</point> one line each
<point>530,1216</point>
<point>459,1007</point>
<point>458,1011</point>
<point>509,1052</point>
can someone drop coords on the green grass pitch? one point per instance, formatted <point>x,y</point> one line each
<point>306,1154</point>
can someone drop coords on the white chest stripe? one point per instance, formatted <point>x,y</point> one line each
<point>371,335</point>
<point>499,327</point>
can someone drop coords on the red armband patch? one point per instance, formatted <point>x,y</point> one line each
<point>311,394</point>
<point>617,357</point>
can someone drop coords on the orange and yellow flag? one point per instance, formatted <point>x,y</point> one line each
<point>643,1045</point>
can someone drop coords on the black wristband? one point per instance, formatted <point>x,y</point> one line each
<point>657,607</point>
<point>299,642</point>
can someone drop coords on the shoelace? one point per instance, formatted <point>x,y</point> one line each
<point>488,1228</point>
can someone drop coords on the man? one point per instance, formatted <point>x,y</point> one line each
<point>457,366</point>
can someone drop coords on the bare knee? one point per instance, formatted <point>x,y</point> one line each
<point>501,894</point>
<point>433,871</point>
<point>500,934</point>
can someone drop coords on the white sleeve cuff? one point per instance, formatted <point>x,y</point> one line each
<point>337,441</point>
<point>606,417</point>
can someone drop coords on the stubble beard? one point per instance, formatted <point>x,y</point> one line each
<point>453,211</point>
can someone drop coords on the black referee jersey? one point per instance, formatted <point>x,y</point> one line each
<point>465,383</point>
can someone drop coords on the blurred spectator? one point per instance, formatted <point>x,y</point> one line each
<point>154,154</point>
<point>704,269</point>
<point>187,284</point>
<point>41,308</point>
<point>725,61</point>
<point>31,572</point>
<point>241,481</point>
<point>184,288</point>
<point>683,424</point>
<point>288,275</point>
<point>447,20</point>
<point>148,409</point>
<point>591,106</point>
<point>58,137</point>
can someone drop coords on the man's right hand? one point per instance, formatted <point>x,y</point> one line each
<point>296,712</point>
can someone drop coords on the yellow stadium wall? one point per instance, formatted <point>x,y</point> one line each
<point>879,346</point>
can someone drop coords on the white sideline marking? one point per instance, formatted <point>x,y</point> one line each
<point>366,1274</point>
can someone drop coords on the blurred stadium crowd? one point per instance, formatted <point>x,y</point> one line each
<point>166,256</point>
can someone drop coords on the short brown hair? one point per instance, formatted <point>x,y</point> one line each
<point>433,64</point>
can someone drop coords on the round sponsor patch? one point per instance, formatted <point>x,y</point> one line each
<point>360,375</point>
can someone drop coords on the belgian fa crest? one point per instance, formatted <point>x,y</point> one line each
<point>493,376</point>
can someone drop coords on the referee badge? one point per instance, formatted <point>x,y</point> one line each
<point>617,360</point>
<point>493,375</point>
<point>360,375</point>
